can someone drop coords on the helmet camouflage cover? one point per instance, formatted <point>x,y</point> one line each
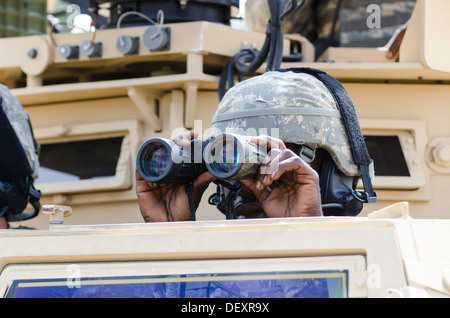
<point>297,106</point>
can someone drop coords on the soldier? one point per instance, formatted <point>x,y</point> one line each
<point>342,22</point>
<point>19,161</point>
<point>368,23</point>
<point>306,116</point>
<point>314,20</point>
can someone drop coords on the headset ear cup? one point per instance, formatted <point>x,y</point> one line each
<point>337,191</point>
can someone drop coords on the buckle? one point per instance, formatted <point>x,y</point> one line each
<point>306,153</point>
<point>369,198</point>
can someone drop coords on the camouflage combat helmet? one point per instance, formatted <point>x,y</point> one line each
<point>298,104</point>
<point>20,121</point>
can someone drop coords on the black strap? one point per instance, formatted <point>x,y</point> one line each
<point>34,197</point>
<point>226,204</point>
<point>358,146</point>
<point>249,61</point>
<point>335,20</point>
<point>192,209</point>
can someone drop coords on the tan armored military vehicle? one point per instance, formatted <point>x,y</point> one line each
<point>111,89</point>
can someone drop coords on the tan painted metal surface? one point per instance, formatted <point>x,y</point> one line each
<point>408,98</point>
<point>85,99</point>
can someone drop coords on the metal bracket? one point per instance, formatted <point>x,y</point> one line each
<point>190,89</point>
<point>145,102</point>
<point>57,213</point>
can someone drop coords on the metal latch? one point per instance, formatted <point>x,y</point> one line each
<point>57,213</point>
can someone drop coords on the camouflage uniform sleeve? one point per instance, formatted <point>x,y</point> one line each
<point>314,20</point>
<point>355,15</point>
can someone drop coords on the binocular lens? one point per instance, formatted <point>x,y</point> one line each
<point>233,157</point>
<point>154,159</point>
<point>226,158</point>
<point>162,161</point>
<point>158,161</point>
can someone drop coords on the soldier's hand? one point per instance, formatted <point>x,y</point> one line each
<point>170,202</point>
<point>286,185</point>
<point>395,42</point>
<point>3,223</point>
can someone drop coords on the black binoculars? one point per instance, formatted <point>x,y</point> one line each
<point>226,156</point>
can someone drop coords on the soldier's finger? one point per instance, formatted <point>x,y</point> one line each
<point>185,140</point>
<point>303,172</point>
<point>272,154</point>
<point>269,142</point>
<point>273,166</point>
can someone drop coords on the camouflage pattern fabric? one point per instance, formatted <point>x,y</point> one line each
<point>355,14</point>
<point>19,120</point>
<point>294,107</point>
<point>257,15</point>
<point>315,20</point>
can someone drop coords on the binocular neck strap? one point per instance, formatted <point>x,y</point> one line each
<point>225,204</point>
<point>192,209</point>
